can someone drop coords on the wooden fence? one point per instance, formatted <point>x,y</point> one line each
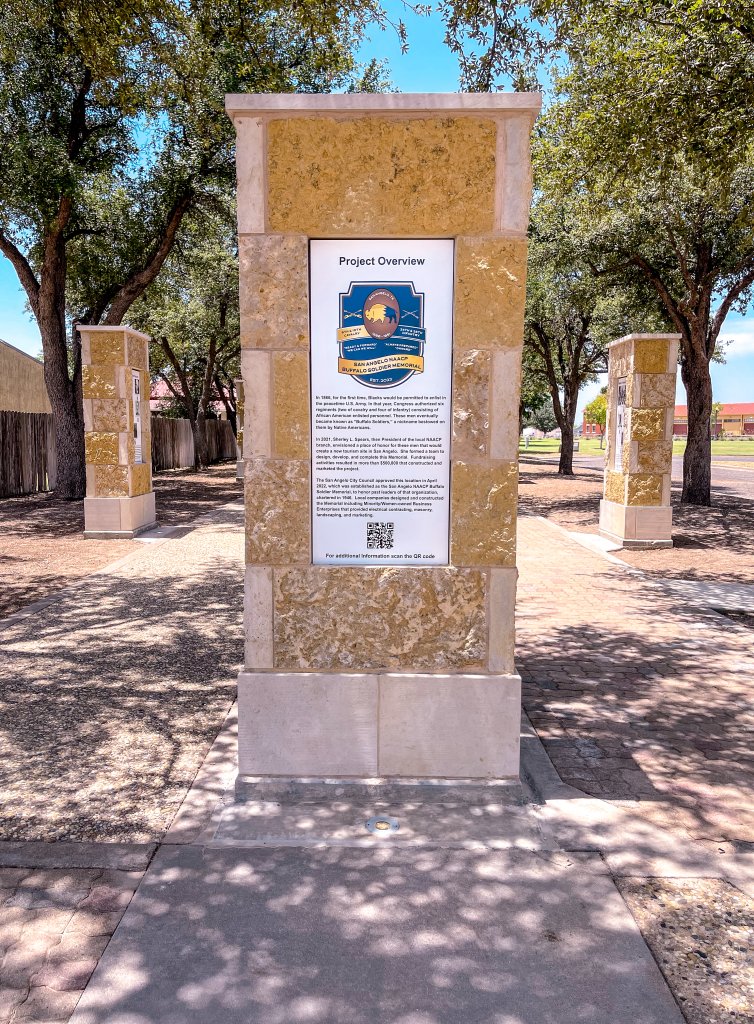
<point>173,443</point>
<point>27,453</point>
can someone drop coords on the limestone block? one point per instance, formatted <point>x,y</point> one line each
<point>490,293</point>
<point>274,291</point>
<point>644,489</point>
<point>110,481</point>
<point>256,367</point>
<point>647,424</point>
<point>506,385</point>
<point>620,359</point>
<point>394,618</point>
<point>653,523</point>
<point>615,486</point>
<point>483,513</point>
<point>137,352</point>
<point>99,382</point>
<point>356,179</point>
<point>257,617</point>
<point>307,725</point>
<point>657,390</point>
<point>107,348</point>
<point>140,479</point>
<point>650,355</point>
<point>502,608</point>
<point>462,727</point>
<point>292,427</point>
<point>654,456</point>
<point>471,404</point>
<point>277,512</point>
<point>101,448</point>
<point>110,414</point>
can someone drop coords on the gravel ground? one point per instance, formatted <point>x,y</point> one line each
<point>42,547</point>
<point>701,932</point>
<point>111,696</point>
<point>714,544</point>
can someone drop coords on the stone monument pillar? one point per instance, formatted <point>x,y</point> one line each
<point>382,244</point>
<point>238,384</point>
<point>635,511</point>
<point>119,497</point>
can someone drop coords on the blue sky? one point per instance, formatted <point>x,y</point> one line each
<point>427,67</point>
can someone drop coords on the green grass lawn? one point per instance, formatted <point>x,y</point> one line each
<point>591,446</point>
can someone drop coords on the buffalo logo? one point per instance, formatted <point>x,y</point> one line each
<point>381,313</point>
<point>381,334</point>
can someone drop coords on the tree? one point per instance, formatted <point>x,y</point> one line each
<point>596,412</point>
<point>113,129</point>
<point>717,408</point>
<point>542,417</point>
<point>571,316</point>
<point>191,312</point>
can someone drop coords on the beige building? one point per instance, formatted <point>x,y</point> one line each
<point>22,386</point>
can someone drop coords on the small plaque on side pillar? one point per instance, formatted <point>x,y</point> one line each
<point>635,510</point>
<point>118,440</point>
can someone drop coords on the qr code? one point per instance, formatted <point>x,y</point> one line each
<point>380,535</point>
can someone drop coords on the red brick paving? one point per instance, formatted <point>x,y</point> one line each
<point>635,696</point>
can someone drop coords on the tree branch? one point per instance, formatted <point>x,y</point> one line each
<point>23,270</point>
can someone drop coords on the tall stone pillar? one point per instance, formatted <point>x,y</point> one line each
<point>380,487</point>
<point>635,510</point>
<point>239,429</point>
<point>119,497</point>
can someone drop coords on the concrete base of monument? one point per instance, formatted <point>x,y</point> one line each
<point>118,517</point>
<point>240,469</point>
<point>369,726</point>
<point>637,526</point>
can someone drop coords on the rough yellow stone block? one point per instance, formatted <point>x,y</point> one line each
<point>615,487</point>
<point>107,348</point>
<point>141,479</point>
<point>657,390</point>
<point>99,382</point>
<point>137,352</point>
<point>277,512</point>
<point>274,291</point>
<point>399,618</point>
<point>655,457</point>
<point>647,424</point>
<point>644,489</point>
<point>620,360</point>
<point>651,355</point>
<point>101,448</point>
<point>483,513</point>
<point>471,404</point>
<point>374,177</point>
<point>290,408</point>
<point>110,482</point>
<point>110,414</point>
<point>490,293</point>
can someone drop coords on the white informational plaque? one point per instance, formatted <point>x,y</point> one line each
<point>620,425</point>
<point>381,349</point>
<point>136,399</point>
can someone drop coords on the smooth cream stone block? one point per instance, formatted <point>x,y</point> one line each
<point>506,386</point>
<point>501,611</point>
<point>307,724</point>
<point>256,367</point>
<point>257,617</point>
<point>513,182</point>
<point>119,517</point>
<point>250,160</point>
<point>653,523</point>
<point>444,726</point>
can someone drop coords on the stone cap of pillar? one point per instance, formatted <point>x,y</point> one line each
<point>641,337</point>
<point>441,103</point>
<point>88,328</point>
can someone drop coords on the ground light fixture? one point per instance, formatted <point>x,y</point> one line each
<point>382,825</point>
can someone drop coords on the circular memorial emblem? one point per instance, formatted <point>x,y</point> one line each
<point>382,313</point>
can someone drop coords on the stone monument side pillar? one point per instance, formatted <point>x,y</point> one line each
<point>360,671</point>
<point>118,440</point>
<point>635,509</point>
<point>239,428</point>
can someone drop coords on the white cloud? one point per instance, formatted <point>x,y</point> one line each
<point>741,339</point>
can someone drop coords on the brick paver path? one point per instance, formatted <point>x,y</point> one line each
<point>635,696</point>
<point>54,926</point>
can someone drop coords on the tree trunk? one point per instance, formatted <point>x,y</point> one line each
<point>64,393</point>
<point>201,450</point>
<point>697,460</point>
<point>566,424</point>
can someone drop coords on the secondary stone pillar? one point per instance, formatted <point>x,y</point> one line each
<point>635,510</point>
<point>382,241</point>
<point>119,497</point>
<point>239,429</point>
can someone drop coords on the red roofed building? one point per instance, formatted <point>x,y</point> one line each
<point>735,419</point>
